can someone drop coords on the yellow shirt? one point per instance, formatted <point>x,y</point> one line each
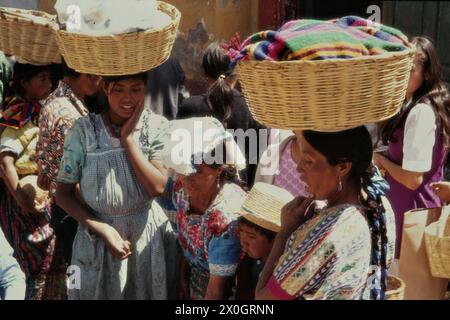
<point>22,143</point>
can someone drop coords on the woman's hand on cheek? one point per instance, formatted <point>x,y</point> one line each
<point>129,126</point>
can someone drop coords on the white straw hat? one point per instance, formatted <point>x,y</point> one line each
<point>263,205</point>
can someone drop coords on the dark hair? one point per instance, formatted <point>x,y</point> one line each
<point>230,173</point>
<point>355,146</point>
<point>139,76</point>
<point>26,72</point>
<point>270,235</point>
<point>102,99</point>
<point>433,92</point>
<point>219,97</point>
<point>68,71</point>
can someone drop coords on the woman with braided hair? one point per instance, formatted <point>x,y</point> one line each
<point>342,251</point>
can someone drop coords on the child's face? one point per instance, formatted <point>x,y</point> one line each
<point>39,87</point>
<point>255,244</point>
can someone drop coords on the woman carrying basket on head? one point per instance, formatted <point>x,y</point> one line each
<point>121,245</point>
<point>336,252</point>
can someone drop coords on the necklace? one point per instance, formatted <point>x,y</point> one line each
<point>116,130</point>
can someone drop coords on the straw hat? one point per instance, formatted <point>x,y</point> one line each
<point>263,205</point>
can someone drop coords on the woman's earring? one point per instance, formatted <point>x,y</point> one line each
<point>339,185</point>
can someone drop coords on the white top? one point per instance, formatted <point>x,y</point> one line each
<point>419,138</point>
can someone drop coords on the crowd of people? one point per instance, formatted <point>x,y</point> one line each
<point>89,179</point>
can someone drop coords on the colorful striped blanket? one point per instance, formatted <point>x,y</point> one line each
<point>344,38</point>
<point>18,112</point>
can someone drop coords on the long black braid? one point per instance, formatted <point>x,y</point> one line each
<point>373,187</point>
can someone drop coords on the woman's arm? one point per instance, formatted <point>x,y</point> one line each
<point>151,174</point>
<point>442,189</point>
<point>66,199</point>
<point>244,290</point>
<point>217,287</point>
<point>411,180</point>
<point>418,143</point>
<point>11,178</point>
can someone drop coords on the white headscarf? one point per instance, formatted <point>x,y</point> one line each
<point>189,143</point>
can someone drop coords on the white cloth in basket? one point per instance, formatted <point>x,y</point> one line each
<point>99,17</point>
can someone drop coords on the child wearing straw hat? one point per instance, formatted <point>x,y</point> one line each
<point>258,225</point>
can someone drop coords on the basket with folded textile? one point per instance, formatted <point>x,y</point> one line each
<point>325,75</point>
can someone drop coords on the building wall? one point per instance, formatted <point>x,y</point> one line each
<point>202,21</point>
<point>428,18</point>
<point>47,6</point>
<point>22,4</point>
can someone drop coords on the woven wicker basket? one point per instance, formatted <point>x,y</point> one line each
<point>120,54</point>
<point>29,35</point>
<point>437,244</point>
<point>395,288</point>
<point>326,95</point>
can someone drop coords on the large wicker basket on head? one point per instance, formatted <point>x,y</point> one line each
<point>28,35</point>
<point>437,244</point>
<point>395,288</point>
<point>326,95</point>
<point>121,54</point>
